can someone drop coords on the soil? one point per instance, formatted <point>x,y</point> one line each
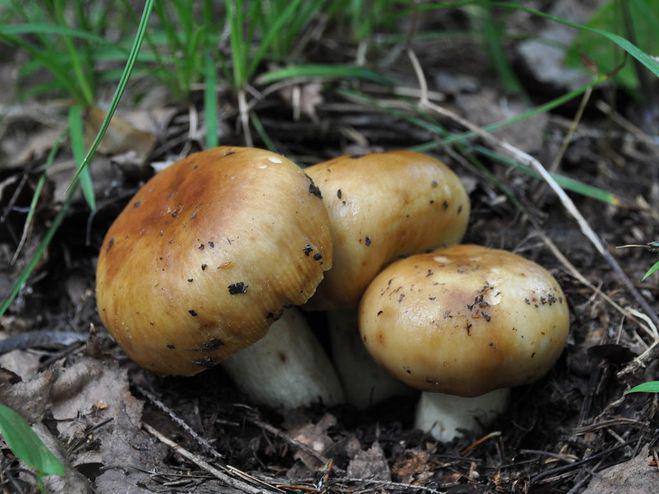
<point>558,434</point>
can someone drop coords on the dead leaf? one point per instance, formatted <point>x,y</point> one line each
<point>30,398</point>
<point>121,137</point>
<point>486,107</point>
<point>635,476</point>
<point>105,178</point>
<point>303,98</point>
<point>413,467</point>
<point>81,387</point>
<point>100,420</point>
<point>370,464</point>
<point>36,146</point>
<point>315,436</point>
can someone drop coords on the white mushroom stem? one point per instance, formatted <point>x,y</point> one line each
<point>445,416</point>
<point>287,368</point>
<point>365,383</point>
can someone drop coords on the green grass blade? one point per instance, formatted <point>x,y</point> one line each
<point>50,159</point>
<point>651,271</point>
<point>646,60</point>
<point>52,64</point>
<point>83,82</point>
<point>26,445</point>
<point>271,35</point>
<point>492,35</point>
<point>446,139</point>
<point>565,182</point>
<point>648,387</point>
<point>260,130</point>
<point>545,107</point>
<point>44,28</point>
<point>239,45</point>
<point>57,221</point>
<point>210,101</point>
<point>121,87</point>
<point>77,138</point>
<point>326,72</point>
<point>38,254</point>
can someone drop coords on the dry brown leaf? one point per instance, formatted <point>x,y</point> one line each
<point>315,436</point>
<point>370,464</point>
<point>635,476</point>
<point>486,107</point>
<point>121,137</point>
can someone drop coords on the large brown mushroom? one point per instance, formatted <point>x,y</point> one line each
<point>381,206</point>
<point>207,254</point>
<point>464,324</point>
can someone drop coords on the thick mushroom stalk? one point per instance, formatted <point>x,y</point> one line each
<point>206,254</point>
<point>466,321</point>
<point>287,368</point>
<point>364,381</point>
<point>381,206</point>
<point>444,416</point>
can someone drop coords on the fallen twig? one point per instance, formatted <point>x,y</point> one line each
<point>285,437</point>
<point>203,442</point>
<point>201,463</point>
<point>392,485</point>
<point>640,361</point>
<point>574,272</point>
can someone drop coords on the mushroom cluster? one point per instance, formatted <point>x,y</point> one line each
<point>206,262</point>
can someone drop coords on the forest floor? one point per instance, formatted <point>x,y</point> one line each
<point>573,430</point>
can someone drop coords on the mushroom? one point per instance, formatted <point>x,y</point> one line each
<point>205,256</point>
<point>289,358</point>
<point>464,324</point>
<point>381,206</point>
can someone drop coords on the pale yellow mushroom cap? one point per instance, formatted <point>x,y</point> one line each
<point>383,206</point>
<point>464,320</point>
<point>206,254</point>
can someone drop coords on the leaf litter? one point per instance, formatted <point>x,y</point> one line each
<point>570,429</point>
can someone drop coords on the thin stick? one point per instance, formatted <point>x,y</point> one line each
<point>531,162</point>
<point>244,118</point>
<point>285,437</point>
<point>201,463</point>
<point>392,485</point>
<point>640,361</point>
<point>581,278</point>
<point>203,442</point>
<point>625,124</point>
<point>573,127</point>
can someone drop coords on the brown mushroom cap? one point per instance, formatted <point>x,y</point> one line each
<point>465,320</point>
<point>206,254</point>
<point>382,206</point>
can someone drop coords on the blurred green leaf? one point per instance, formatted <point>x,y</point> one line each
<point>648,387</point>
<point>78,148</point>
<point>210,101</point>
<point>610,17</point>
<point>651,271</point>
<point>26,445</point>
<point>324,71</point>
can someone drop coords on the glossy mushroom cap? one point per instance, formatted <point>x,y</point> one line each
<point>204,257</point>
<point>465,320</point>
<point>383,206</point>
